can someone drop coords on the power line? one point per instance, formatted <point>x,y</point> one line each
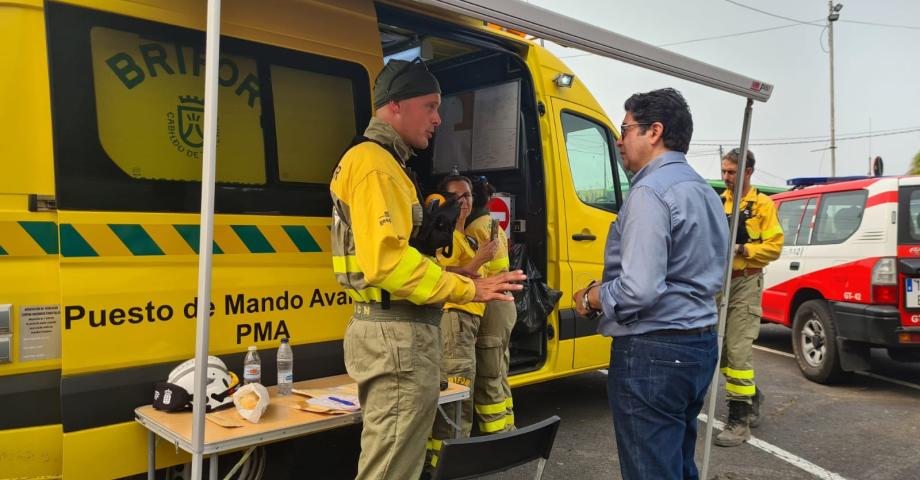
<point>728,35</point>
<point>775,15</point>
<point>764,172</point>
<point>812,137</point>
<point>797,22</point>
<point>814,24</point>
<point>694,40</point>
<point>889,25</point>
<point>803,142</point>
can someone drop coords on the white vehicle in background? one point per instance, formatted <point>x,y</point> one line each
<point>849,276</point>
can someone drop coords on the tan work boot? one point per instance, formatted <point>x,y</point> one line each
<point>738,429</point>
<point>756,402</point>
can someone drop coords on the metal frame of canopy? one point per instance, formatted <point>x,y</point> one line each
<point>513,14</point>
<point>206,239</point>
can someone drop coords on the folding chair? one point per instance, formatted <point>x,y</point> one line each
<point>478,456</point>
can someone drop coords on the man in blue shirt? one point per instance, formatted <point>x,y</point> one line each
<point>664,263</point>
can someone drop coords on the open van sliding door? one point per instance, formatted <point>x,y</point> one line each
<point>592,194</point>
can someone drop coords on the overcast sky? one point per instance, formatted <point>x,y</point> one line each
<point>877,76</point>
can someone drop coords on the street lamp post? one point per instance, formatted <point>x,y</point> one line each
<point>832,16</point>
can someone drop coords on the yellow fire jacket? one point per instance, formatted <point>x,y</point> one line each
<point>375,207</point>
<point>763,228</point>
<point>462,254</point>
<point>480,229</point>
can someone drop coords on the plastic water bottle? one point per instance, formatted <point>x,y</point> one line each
<point>285,367</point>
<point>252,366</point>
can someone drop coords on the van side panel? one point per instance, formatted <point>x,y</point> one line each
<point>115,451</point>
<point>29,440</point>
<point>129,274</point>
<point>123,278</point>
<point>25,152</point>
<point>31,452</point>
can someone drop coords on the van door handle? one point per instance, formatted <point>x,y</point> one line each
<point>794,266</point>
<point>581,237</point>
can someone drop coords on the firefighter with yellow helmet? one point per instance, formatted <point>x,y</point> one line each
<point>382,251</point>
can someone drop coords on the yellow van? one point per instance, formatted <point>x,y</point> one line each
<point>101,157</point>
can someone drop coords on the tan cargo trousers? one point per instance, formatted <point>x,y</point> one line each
<point>394,355</point>
<point>492,392</point>
<point>742,326</point>
<point>458,365</point>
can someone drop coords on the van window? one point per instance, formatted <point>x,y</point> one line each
<point>595,171</point>
<point>914,214</point>
<point>128,103</point>
<point>790,217</point>
<point>909,215</point>
<point>150,109</point>
<point>310,127</point>
<point>808,223</point>
<point>839,216</point>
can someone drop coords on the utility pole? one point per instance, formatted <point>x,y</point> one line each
<point>832,16</point>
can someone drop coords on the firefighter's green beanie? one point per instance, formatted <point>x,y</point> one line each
<point>400,80</point>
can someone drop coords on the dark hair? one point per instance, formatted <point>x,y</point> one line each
<point>442,185</point>
<point>668,107</point>
<point>482,192</point>
<point>734,156</point>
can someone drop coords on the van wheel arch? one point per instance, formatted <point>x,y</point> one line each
<point>801,297</point>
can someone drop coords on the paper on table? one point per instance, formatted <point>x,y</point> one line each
<point>347,403</point>
<point>318,409</point>
<point>341,391</point>
<point>229,418</point>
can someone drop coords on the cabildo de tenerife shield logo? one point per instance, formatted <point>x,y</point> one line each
<point>185,127</point>
<point>191,112</point>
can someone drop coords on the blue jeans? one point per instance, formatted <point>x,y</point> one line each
<point>656,386</point>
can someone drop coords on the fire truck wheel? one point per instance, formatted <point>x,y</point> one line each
<point>814,343</point>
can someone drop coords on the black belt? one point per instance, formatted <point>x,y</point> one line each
<point>398,312</point>
<point>669,332</point>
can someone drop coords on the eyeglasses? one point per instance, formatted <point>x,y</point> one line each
<point>624,126</point>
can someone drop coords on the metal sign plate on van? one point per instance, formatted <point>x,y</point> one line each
<point>40,332</point>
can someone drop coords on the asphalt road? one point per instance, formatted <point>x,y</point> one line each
<point>865,428</point>
<point>861,429</point>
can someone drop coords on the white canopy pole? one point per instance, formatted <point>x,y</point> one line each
<point>206,236</point>
<point>727,286</point>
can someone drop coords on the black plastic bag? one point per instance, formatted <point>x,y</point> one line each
<point>537,300</point>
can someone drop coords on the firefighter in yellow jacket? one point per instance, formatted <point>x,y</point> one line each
<point>759,242</point>
<point>492,392</point>
<point>460,322</point>
<point>392,343</point>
